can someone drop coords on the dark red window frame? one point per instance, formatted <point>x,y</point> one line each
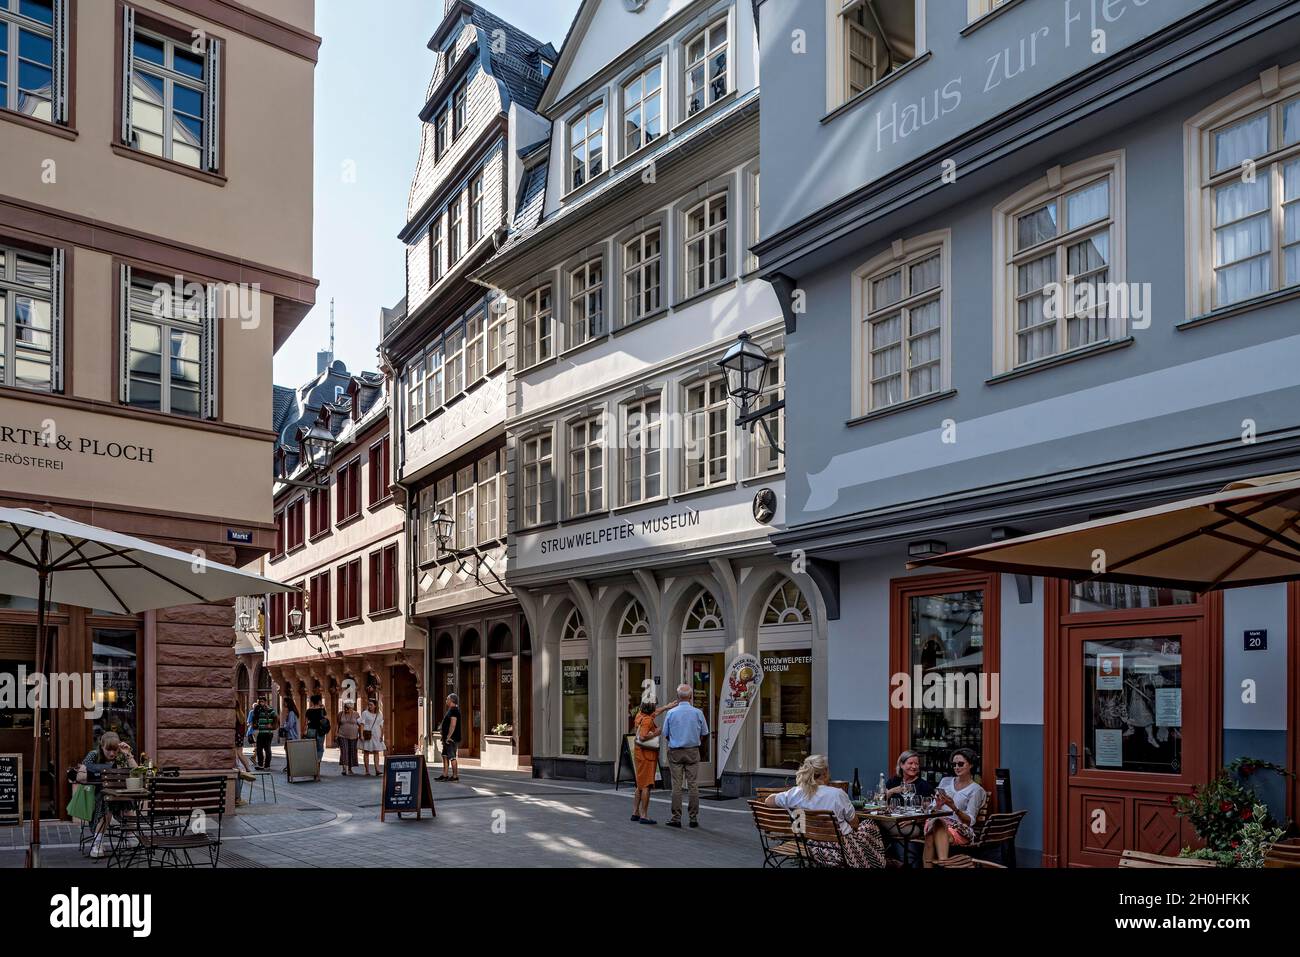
<point>348,485</point>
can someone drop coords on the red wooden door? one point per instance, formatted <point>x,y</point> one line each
<point>1136,732</point>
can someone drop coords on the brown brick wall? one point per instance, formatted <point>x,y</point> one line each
<point>195,648</point>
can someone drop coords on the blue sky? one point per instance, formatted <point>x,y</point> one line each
<point>370,84</point>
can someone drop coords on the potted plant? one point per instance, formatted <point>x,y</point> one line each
<point>138,777</point>
<point>499,749</point>
<point>1229,818</point>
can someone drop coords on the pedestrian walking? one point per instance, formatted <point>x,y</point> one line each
<point>318,725</point>
<point>348,735</point>
<point>687,732</point>
<point>264,724</point>
<point>289,726</point>
<point>450,733</point>
<point>372,735</point>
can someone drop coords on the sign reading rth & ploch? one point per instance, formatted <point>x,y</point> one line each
<point>49,439</point>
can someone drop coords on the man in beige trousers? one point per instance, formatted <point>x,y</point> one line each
<point>686,732</point>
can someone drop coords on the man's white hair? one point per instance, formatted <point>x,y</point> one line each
<point>684,692</point>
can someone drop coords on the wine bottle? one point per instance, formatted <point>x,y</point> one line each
<point>855,789</point>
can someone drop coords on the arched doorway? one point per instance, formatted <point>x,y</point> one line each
<point>785,641</point>
<point>501,681</point>
<point>471,694</point>
<point>704,644</point>
<point>575,687</point>
<point>635,680</point>
<point>241,687</point>
<point>444,678</point>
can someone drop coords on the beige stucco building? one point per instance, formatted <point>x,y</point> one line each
<point>155,250</point>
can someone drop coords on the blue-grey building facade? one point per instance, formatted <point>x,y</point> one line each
<point>942,178</point>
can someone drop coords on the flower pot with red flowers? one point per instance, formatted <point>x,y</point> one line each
<point>1229,818</point>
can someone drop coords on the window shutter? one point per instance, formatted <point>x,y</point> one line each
<point>56,320</point>
<point>60,61</point>
<point>212,124</point>
<point>208,376</point>
<point>128,66</point>
<point>124,335</point>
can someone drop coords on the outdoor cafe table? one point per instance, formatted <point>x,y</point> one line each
<point>905,828</point>
<point>133,799</point>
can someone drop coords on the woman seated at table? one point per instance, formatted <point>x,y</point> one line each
<point>115,753</point>
<point>813,792</point>
<point>908,771</point>
<point>963,797</point>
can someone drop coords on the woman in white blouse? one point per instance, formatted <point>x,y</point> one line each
<point>963,796</point>
<point>813,791</point>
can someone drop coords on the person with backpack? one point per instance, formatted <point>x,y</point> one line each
<point>264,723</point>
<point>318,725</point>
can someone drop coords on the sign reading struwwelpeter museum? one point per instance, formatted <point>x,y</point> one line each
<point>56,454</point>
<point>722,516</point>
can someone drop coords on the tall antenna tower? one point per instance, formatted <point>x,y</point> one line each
<point>325,358</point>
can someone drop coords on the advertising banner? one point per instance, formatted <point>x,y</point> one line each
<point>744,676</point>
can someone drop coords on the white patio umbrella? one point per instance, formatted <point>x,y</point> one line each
<point>1248,533</point>
<point>52,558</point>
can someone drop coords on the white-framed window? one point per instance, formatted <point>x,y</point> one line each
<point>415,388</point>
<point>428,542</point>
<point>704,614</point>
<point>870,40</point>
<point>586,318</point>
<point>496,333</point>
<point>476,209</point>
<point>445,502</point>
<point>643,108</point>
<point>635,623</point>
<point>766,457</point>
<point>168,347</point>
<point>442,132</point>
<point>488,506</point>
<point>433,376</point>
<point>454,359</point>
<point>170,94</point>
<point>537,465</point>
<point>642,450</point>
<point>455,217</point>
<point>586,466</point>
<point>466,515</point>
<point>706,76</point>
<point>587,146</point>
<point>755,210</point>
<point>475,348</point>
<point>707,262</point>
<point>1243,157</point>
<point>31,324</point>
<point>435,250</point>
<point>978,8</point>
<point>34,58</point>
<point>1059,247</point>
<point>459,100</point>
<point>904,326</point>
<point>708,433</point>
<point>535,333</point>
<point>642,275</point>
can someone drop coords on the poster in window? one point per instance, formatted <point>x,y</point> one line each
<point>1169,707</point>
<point>1110,672</point>
<point>1109,752</point>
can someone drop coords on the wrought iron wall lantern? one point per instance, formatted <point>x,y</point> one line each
<point>444,528</point>
<point>746,364</point>
<point>315,450</point>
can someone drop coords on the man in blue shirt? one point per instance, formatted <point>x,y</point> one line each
<point>685,729</point>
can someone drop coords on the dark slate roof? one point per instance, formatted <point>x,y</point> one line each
<point>519,68</point>
<point>303,406</point>
<point>531,200</point>
<point>281,402</point>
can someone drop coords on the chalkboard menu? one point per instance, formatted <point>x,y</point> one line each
<point>407,788</point>
<point>11,788</point>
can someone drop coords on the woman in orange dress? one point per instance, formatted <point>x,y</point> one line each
<point>645,759</point>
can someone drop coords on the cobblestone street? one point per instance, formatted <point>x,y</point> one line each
<point>335,823</point>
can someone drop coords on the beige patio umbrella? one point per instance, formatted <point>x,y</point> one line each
<point>1246,534</point>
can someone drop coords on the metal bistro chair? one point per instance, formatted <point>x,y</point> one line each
<point>200,804</point>
<point>775,833</point>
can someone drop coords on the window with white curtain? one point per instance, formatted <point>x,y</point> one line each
<point>30,325</point>
<point>1060,245</point>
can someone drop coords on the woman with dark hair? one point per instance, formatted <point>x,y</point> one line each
<point>963,796</point>
<point>318,725</point>
<point>290,730</point>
